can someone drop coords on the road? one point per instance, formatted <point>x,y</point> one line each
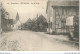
<point>22,40</point>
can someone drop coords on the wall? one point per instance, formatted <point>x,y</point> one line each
<point>61,14</point>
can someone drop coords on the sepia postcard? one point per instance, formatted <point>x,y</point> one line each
<point>39,25</point>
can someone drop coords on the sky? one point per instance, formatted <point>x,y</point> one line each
<point>25,8</point>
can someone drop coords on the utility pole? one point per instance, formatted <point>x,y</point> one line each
<point>12,21</point>
<point>37,20</point>
<point>0,17</point>
<point>37,17</point>
<point>9,22</point>
<point>0,20</point>
<point>49,18</point>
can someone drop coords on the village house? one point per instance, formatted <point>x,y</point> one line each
<point>60,15</point>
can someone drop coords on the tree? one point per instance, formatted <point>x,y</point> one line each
<point>4,21</point>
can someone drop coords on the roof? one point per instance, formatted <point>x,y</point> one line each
<point>29,20</point>
<point>41,18</point>
<point>34,19</point>
<point>65,3</point>
<point>61,3</point>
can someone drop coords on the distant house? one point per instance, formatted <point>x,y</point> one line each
<point>57,14</point>
<point>42,23</point>
<point>29,21</point>
<point>28,24</point>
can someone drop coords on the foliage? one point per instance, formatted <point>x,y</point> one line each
<point>39,24</point>
<point>4,20</point>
